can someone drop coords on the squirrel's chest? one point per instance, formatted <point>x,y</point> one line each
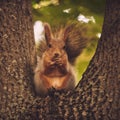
<point>57,82</point>
<point>56,78</point>
<point>54,73</point>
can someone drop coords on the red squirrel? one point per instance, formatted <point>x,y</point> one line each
<point>54,68</point>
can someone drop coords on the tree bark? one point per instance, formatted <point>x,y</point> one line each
<point>16,57</point>
<point>97,96</point>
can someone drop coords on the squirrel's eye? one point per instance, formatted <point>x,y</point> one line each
<point>49,45</point>
<point>64,47</point>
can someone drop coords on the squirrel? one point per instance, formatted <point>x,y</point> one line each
<point>57,54</point>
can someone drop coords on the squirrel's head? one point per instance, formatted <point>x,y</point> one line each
<point>56,45</point>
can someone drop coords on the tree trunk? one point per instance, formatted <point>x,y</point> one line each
<point>97,96</point>
<point>16,57</point>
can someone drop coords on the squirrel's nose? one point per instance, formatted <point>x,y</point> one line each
<point>56,55</point>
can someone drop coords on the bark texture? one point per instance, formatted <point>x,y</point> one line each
<point>16,57</point>
<point>97,96</point>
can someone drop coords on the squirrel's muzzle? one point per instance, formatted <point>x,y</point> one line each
<point>56,55</point>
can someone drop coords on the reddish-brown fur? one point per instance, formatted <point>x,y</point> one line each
<point>54,69</point>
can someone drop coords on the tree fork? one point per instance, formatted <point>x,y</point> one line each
<point>97,94</point>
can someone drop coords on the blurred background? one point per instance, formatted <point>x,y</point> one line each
<point>60,12</point>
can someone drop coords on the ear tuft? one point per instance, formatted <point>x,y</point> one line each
<point>47,32</point>
<point>67,31</point>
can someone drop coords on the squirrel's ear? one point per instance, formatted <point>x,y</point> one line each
<point>47,32</point>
